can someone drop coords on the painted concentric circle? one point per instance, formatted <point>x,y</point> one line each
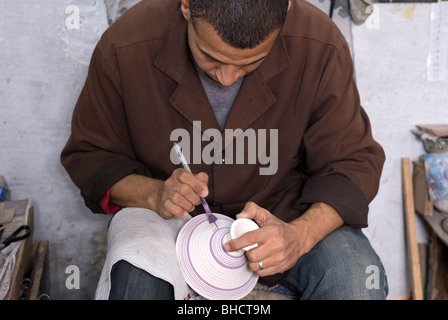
<point>208,268</point>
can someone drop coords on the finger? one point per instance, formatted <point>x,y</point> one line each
<point>198,186</point>
<point>203,177</point>
<point>179,199</point>
<point>267,269</point>
<point>172,209</point>
<point>254,257</point>
<point>270,264</point>
<point>248,239</point>
<point>189,197</point>
<point>255,212</point>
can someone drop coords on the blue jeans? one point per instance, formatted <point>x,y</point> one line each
<point>343,266</point>
<point>131,283</point>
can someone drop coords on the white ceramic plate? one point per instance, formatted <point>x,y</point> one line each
<point>208,268</point>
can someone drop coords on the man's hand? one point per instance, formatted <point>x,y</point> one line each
<point>180,193</point>
<point>177,196</point>
<point>281,244</point>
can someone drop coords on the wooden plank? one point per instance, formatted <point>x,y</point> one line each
<point>423,256</point>
<point>23,256</point>
<point>438,269</point>
<point>439,130</point>
<point>411,232</point>
<point>422,203</point>
<point>38,268</point>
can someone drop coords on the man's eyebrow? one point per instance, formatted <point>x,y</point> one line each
<point>214,59</point>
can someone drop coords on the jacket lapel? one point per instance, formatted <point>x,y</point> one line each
<point>189,98</point>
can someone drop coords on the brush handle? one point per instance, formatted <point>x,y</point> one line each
<point>182,157</point>
<point>186,167</point>
<point>205,205</point>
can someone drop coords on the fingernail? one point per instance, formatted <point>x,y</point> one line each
<point>243,213</point>
<point>227,247</point>
<point>204,193</point>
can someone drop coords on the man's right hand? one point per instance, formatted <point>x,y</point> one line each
<point>177,196</point>
<point>180,193</point>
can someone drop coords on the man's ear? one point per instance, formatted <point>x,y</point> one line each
<point>289,5</point>
<point>185,8</point>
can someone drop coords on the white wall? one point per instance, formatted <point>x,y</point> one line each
<point>43,66</point>
<point>391,76</point>
<point>42,69</point>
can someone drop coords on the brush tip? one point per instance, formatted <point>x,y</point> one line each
<point>212,218</point>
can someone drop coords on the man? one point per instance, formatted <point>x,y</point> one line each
<point>274,65</point>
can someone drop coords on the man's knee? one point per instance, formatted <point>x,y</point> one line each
<point>353,280</point>
<point>342,266</point>
<point>131,283</point>
<point>352,270</point>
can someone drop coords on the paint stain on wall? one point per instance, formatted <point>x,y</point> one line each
<point>405,9</point>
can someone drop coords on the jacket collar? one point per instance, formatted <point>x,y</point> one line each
<point>189,98</point>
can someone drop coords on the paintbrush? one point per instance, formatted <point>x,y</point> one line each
<point>211,217</point>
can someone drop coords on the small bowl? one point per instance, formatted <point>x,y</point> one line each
<point>242,226</point>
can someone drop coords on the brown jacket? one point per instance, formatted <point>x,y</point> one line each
<point>142,85</point>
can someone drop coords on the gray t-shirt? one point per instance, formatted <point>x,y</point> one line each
<point>220,97</point>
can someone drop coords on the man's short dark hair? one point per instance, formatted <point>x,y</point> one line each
<point>242,24</point>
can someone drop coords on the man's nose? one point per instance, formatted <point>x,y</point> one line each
<point>227,75</point>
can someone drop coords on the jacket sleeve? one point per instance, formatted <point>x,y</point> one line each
<point>99,151</point>
<point>342,162</point>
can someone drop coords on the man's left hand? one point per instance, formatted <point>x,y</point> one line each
<point>279,243</point>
